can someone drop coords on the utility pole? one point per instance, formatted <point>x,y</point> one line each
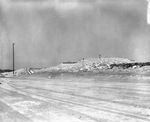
<point>148,12</point>
<point>13,57</point>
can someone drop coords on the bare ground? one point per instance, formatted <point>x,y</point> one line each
<point>69,98</point>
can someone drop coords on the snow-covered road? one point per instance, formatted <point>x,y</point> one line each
<point>69,98</point>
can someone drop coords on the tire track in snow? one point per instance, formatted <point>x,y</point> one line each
<point>71,112</point>
<point>109,110</point>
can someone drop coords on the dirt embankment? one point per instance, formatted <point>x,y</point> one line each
<point>130,65</point>
<point>94,65</point>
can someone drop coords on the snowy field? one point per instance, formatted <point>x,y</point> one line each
<point>75,97</point>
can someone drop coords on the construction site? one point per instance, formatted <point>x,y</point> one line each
<point>74,61</point>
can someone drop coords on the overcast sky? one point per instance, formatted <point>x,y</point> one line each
<point>48,32</point>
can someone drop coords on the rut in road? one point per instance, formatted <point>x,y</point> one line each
<point>109,110</point>
<point>105,90</point>
<point>71,112</point>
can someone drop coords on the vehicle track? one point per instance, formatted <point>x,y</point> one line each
<point>96,88</point>
<point>104,86</point>
<point>71,112</point>
<point>109,110</point>
<point>112,92</point>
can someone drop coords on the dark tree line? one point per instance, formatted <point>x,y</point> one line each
<point>5,70</point>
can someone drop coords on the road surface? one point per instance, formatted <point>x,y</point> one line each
<point>69,98</point>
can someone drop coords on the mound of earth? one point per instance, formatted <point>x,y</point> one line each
<point>89,65</point>
<point>92,64</point>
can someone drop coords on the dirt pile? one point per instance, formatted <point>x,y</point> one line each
<point>130,65</point>
<point>91,64</point>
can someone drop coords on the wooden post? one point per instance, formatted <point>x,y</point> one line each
<point>13,58</point>
<point>148,12</point>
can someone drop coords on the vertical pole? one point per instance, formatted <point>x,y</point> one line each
<point>148,12</point>
<point>99,56</point>
<point>13,58</point>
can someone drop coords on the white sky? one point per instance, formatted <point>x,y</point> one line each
<point>44,37</point>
